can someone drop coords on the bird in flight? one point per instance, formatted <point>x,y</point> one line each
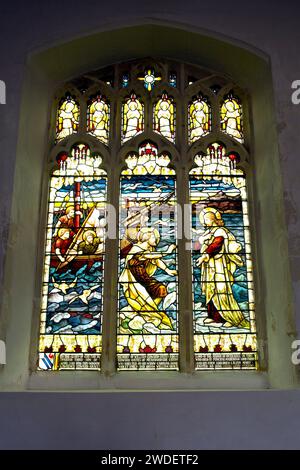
<point>64,286</point>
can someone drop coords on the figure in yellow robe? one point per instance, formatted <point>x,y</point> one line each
<point>143,292</point>
<point>218,262</point>
<point>231,119</point>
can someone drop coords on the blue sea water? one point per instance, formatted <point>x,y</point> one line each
<point>81,313</point>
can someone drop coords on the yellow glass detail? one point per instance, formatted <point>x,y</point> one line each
<point>133,118</point>
<point>148,162</point>
<point>67,118</point>
<point>164,117</point>
<point>149,79</point>
<point>231,118</point>
<point>199,119</point>
<point>98,119</point>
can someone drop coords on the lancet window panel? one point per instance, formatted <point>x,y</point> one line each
<point>199,118</point>
<point>232,117</point>
<point>98,118</point>
<point>223,294</point>
<point>132,117</point>
<point>68,113</point>
<point>148,291</point>
<point>72,292</point>
<point>164,114</point>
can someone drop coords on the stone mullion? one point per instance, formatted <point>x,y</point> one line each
<point>184,275</point>
<point>110,297</point>
<point>185,302</point>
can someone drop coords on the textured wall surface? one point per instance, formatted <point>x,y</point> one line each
<point>159,420</point>
<point>212,420</point>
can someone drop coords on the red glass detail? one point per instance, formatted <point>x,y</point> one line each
<point>62,157</point>
<point>147,349</point>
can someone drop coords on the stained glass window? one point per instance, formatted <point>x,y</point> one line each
<point>180,107</point>
<point>231,117</point>
<point>199,116</point>
<point>224,321</point>
<point>67,121</point>
<point>147,317</point>
<point>71,316</point>
<point>132,117</point>
<point>98,118</point>
<point>164,117</point>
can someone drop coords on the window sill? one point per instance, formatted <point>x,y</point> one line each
<point>148,381</point>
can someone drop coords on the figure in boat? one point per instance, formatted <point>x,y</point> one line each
<point>90,244</point>
<point>74,246</point>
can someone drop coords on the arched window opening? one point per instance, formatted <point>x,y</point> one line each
<point>146,118</point>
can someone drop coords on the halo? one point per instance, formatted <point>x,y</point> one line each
<point>87,233</point>
<point>69,207</point>
<point>232,102</point>
<point>208,210</point>
<point>148,231</point>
